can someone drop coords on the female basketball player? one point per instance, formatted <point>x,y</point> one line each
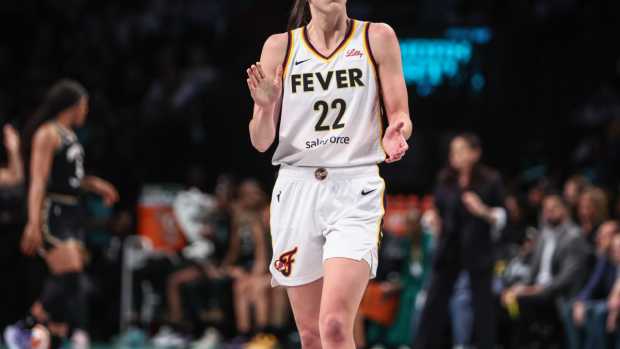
<point>325,82</point>
<point>54,226</point>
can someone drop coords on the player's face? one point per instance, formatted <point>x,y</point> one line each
<point>462,155</point>
<point>81,110</point>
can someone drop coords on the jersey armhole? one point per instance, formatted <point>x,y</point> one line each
<point>289,51</point>
<point>285,64</point>
<point>382,117</point>
<point>368,48</point>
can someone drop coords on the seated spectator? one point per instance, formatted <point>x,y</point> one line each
<point>193,210</point>
<point>514,233</point>
<point>573,188</point>
<point>203,220</point>
<point>248,259</point>
<point>194,213</point>
<point>592,211</point>
<point>279,311</point>
<point>557,273</point>
<point>585,319</point>
<point>388,308</point>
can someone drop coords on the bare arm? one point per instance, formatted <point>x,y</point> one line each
<point>44,143</point>
<point>13,174</point>
<point>386,51</point>
<point>100,187</point>
<point>265,85</point>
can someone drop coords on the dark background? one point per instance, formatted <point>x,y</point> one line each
<point>552,70</point>
<point>168,96</point>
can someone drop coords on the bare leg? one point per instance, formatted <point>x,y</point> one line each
<point>241,288</point>
<point>344,285</point>
<point>359,332</point>
<point>279,307</point>
<point>260,289</point>
<point>306,301</point>
<point>175,308</point>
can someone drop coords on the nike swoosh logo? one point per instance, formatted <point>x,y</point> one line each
<point>364,193</point>
<point>304,61</point>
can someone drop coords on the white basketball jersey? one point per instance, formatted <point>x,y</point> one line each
<point>331,114</point>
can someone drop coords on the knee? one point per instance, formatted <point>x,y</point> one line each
<point>310,338</point>
<point>239,286</point>
<point>332,328</point>
<point>173,283</point>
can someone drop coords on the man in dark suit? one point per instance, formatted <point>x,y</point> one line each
<point>559,269</point>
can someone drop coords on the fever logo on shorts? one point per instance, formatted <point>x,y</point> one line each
<point>284,263</point>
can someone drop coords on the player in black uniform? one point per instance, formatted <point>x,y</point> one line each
<point>54,228</point>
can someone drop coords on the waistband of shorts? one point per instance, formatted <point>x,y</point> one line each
<point>332,173</point>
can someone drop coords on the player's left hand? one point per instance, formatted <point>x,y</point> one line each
<point>394,142</point>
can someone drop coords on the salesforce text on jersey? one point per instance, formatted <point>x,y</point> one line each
<point>329,140</point>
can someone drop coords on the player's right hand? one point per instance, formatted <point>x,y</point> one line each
<point>265,91</point>
<point>32,239</point>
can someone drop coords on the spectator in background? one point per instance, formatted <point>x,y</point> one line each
<point>573,188</point>
<point>198,291</point>
<point>557,273</point>
<point>468,197</point>
<point>514,234</point>
<point>510,243</point>
<point>592,210</point>
<point>13,174</point>
<point>192,211</point>
<point>386,311</point>
<point>415,273</point>
<point>203,220</point>
<point>247,260</point>
<point>585,319</point>
<point>534,198</point>
<point>276,299</point>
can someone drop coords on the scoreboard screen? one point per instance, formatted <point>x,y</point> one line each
<point>452,59</point>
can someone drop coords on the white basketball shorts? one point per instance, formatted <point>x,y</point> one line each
<point>319,213</point>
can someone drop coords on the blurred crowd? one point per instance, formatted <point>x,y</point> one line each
<point>556,280</point>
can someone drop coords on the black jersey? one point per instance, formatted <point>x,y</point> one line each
<point>68,166</point>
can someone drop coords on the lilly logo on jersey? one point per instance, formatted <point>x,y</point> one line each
<point>284,263</point>
<point>354,53</point>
